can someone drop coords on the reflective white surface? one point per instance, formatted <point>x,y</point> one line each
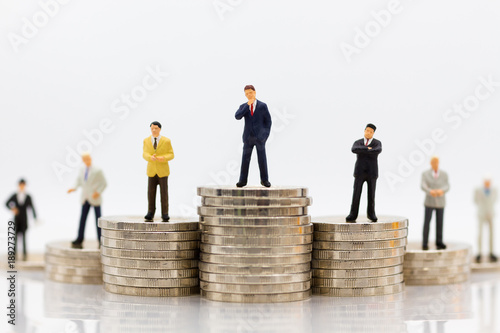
<point>46,306</point>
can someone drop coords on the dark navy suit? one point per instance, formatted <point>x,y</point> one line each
<point>256,132</point>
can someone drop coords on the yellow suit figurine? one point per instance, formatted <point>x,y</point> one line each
<point>157,151</point>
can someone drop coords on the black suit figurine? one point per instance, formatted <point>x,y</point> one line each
<point>19,203</point>
<point>257,128</point>
<point>366,170</point>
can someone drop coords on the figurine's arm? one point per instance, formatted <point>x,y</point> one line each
<point>168,155</point>
<point>446,186</point>
<point>101,181</point>
<point>78,182</point>
<point>359,148</point>
<point>376,149</point>
<point>242,111</point>
<point>11,203</point>
<point>145,154</point>
<point>30,204</point>
<point>267,120</point>
<point>425,187</point>
<point>476,197</point>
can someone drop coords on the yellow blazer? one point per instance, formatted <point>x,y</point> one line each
<point>164,149</point>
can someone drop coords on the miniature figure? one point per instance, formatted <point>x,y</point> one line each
<point>19,203</point>
<point>157,151</point>
<point>91,179</point>
<point>257,128</point>
<point>435,185</point>
<point>365,170</point>
<point>485,198</point>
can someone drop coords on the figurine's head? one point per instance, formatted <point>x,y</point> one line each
<point>250,92</point>
<point>487,182</point>
<point>435,163</point>
<point>369,131</point>
<point>22,185</point>
<point>87,160</point>
<point>155,129</point>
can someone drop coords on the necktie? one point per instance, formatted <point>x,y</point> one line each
<point>155,145</point>
<point>367,142</point>
<point>251,110</point>
<point>86,174</point>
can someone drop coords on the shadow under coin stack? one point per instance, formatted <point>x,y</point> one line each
<point>358,259</point>
<point>256,244</point>
<point>433,267</point>
<point>150,258</point>
<point>73,265</point>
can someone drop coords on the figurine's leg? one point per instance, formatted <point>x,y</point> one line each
<point>427,222</point>
<point>261,156</point>
<point>164,196</point>
<point>97,211</point>
<point>372,184</point>
<point>439,226</point>
<point>356,196</point>
<point>480,237</point>
<point>83,220</point>
<point>245,161</point>
<point>152,184</point>
<point>490,227</point>
<point>24,245</point>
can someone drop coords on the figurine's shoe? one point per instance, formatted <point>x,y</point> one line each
<point>241,184</point>
<point>77,244</point>
<point>373,218</point>
<point>165,218</point>
<point>440,246</point>
<point>266,183</point>
<point>425,247</point>
<point>148,218</point>
<point>478,258</point>
<point>493,258</point>
<point>350,219</point>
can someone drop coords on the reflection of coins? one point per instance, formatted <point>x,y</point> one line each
<point>358,255</point>
<point>256,298</point>
<point>151,273</point>
<point>358,283</point>
<point>258,231</point>
<point>359,236</point>
<point>256,251</point>
<point>255,289</point>
<point>155,292</point>
<point>149,264</point>
<point>149,255</point>
<point>150,283</point>
<point>259,261</point>
<point>136,223</point>
<point>255,279</point>
<point>167,236</point>
<point>254,221</point>
<point>356,264</point>
<point>350,246</point>
<point>254,270</point>
<point>249,191</point>
<point>251,212</point>
<point>359,292</point>
<point>255,202</point>
<point>357,273</point>
<point>338,224</point>
<point>256,241</point>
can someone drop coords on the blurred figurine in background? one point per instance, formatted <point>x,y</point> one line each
<point>435,185</point>
<point>365,170</point>
<point>91,180</point>
<point>19,203</point>
<point>157,150</point>
<point>485,198</point>
<point>257,128</point>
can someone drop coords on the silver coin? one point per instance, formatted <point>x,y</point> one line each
<point>358,283</point>
<point>74,262</point>
<point>256,251</point>
<point>149,246</point>
<point>358,292</point>
<point>251,212</point>
<point>255,202</point>
<point>255,288</point>
<point>251,191</point>
<point>64,249</point>
<point>151,273</point>
<point>254,270</point>
<point>74,278</point>
<point>358,255</point>
<point>76,271</point>
<point>149,264</point>
<point>256,241</point>
<point>339,224</point>
<point>356,246</point>
<point>436,271</point>
<point>356,264</point>
<point>357,273</point>
<point>172,236</point>
<point>359,236</point>
<point>149,255</point>
<point>259,261</point>
<point>438,280</point>
<point>453,250</point>
<point>259,298</point>
<point>258,231</point>
<point>151,292</point>
<point>136,223</point>
<point>254,221</point>
<point>436,263</point>
<point>150,283</point>
<point>255,279</point>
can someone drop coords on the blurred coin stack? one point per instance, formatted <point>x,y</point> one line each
<point>256,244</point>
<point>150,258</point>
<point>433,267</point>
<point>358,259</point>
<point>63,263</point>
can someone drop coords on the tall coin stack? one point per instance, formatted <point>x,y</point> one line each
<point>432,267</point>
<point>358,259</point>
<point>150,258</point>
<point>256,244</point>
<point>63,263</point>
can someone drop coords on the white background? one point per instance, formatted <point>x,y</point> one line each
<point>64,80</point>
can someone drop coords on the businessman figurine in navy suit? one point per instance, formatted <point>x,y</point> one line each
<point>366,170</point>
<point>257,128</point>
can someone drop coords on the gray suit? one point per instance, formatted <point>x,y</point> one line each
<point>430,182</point>
<point>485,211</point>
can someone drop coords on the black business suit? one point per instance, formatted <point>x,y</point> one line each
<point>365,170</point>
<point>21,219</point>
<point>256,132</point>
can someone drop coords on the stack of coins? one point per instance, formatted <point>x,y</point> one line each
<point>63,263</point>
<point>256,244</point>
<point>150,258</point>
<point>358,259</point>
<point>432,267</point>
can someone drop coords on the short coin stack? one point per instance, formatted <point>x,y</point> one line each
<point>358,259</point>
<point>256,244</point>
<point>63,263</point>
<point>432,267</point>
<point>150,258</point>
